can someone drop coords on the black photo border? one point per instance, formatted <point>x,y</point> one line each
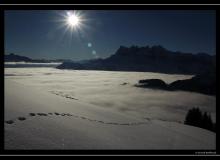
<point>102,7</point>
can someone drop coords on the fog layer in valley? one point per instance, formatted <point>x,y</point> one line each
<point>115,90</point>
<point>47,108</point>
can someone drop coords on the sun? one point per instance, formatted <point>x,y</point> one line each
<point>73,20</point>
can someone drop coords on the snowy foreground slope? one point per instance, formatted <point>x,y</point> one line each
<point>42,112</point>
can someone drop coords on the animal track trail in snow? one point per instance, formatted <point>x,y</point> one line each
<point>63,95</point>
<point>33,115</point>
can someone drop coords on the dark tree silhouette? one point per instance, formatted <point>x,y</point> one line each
<point>196,118</point>
<point>207,122</point>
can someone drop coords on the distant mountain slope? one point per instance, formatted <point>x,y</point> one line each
<point>17,58</point>
<point>148,59</point>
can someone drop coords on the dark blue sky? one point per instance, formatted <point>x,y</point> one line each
<point>40,34</point>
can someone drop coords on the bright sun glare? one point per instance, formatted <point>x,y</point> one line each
<point>72,19</point>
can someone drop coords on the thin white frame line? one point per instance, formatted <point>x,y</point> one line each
<point>207,155</point>
<point>111,4</point>
<point>99,155</point>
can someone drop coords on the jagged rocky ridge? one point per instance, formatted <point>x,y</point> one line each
<point>148,59</point>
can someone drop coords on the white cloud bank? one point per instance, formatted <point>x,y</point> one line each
<point>100,95</point>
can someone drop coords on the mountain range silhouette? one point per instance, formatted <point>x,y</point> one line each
<point>134,58</point>
<point>148,59</point>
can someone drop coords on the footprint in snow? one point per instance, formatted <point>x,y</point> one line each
<point>83,117</point>
<point>32,114</point>
<point>9,121</point>
<point>42,114</point>
<point>21,118</point>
